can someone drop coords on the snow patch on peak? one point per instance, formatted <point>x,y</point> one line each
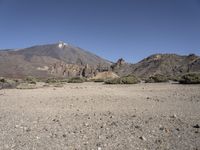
<point>62,44</point>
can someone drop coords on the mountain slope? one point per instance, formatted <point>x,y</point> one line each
<point>64,52</point>
<point>167,64</point>
<point>58,59</point>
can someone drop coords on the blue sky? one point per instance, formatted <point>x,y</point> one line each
<point>131,29</point>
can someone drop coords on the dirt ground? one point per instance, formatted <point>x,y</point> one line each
<point>95,116</point>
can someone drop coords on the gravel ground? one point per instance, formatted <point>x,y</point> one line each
<point>101,117</point>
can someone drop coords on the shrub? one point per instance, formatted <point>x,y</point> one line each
<point>98,80</point>
<point>31,80</point>
<point>2,80</point>
<point>190,78</point>
<point>56,80</point>
<point>8,83</point>
<point>51,80</point>
<point>113,81</point>
<point>76,80</point>
<point>156,78</point>
<point>175,78</point>
<point>130,79</point>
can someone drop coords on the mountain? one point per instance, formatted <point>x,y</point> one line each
<point>167,64</point>
<point>64,60</point>
<point>59,59</point>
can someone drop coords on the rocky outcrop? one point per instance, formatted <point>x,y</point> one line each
<point>167,64</point>
<point>59,59</point>
<point>121,68</point>
<point>105,75</point>
<point>71,70</point>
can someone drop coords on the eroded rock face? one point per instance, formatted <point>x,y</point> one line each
<point>118,64</point>
<point>194,66</point>
<point>105,75</point>
<point>121,68</point>
<point>71,70</point>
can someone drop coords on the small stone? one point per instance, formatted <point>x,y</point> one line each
<point>64,135</point>
<point>150,118</point>
<point>173,116</point>
<point>158,141</point>
<point>55,120</point>
<point>137,127</point>
<point>85,124</point>
<point>161,127</point>
<point>17,126</point>
<point>196,126</point>
<point>99,148</point>
<point>142,138</point>
<point>27,129</point>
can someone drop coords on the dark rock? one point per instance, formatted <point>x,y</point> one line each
<point>196,126</point>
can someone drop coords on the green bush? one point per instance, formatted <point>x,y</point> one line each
<point>190,78</point>
<point>157,78</point>
<point>130,79</point>
<point>76,80</point>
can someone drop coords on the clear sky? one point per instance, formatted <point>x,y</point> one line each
<point>131,29</point>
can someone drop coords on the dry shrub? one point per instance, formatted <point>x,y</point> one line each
<point>157,78</point>
<point>190,78</point>
<point>76,80</point>
<point>130,79</point>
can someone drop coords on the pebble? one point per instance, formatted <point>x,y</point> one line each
<point>173,116</point>
<point>196,126</point>
<point>142,138</point>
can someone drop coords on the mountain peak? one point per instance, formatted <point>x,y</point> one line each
<point>62,44</point>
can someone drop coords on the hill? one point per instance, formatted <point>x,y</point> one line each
<point>167,64</point>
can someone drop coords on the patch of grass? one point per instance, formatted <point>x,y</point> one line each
<point>130,79</point>
<point>190,78</point>
<point>157,78</point>
<point>76,80</point>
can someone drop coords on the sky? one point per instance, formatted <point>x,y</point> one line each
<point>112,29</point>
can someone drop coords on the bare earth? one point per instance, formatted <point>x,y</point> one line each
<point>101,117</point>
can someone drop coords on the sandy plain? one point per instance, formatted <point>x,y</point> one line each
<point>95,116</point>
